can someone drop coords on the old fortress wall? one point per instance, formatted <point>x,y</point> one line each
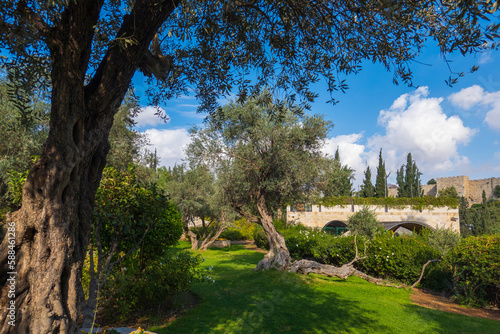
<point>470,189</point>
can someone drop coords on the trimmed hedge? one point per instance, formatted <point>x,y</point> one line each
<point>416,203</point>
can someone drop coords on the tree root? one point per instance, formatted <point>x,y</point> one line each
<point>306,267</point>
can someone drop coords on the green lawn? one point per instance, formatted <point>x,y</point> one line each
<point>244,301</point>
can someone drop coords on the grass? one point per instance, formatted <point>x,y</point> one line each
<point>244,301</point>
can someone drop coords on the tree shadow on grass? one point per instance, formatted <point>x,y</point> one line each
<point>244,301</point>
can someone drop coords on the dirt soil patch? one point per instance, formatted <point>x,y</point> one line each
<point>438,302</point>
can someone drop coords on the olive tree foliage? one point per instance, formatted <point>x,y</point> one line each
<point>86,52</point>
<point>365,223</point>
<point>265,156</point>
<point>23,129</point>
<point>443,240</point>
<point>199,198</point>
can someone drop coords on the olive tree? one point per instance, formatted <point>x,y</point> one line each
<point>266,156</point>
<point>86,53</point>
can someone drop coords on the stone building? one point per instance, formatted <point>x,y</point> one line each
<point>470,189</point>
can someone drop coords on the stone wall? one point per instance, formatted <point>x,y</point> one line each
<point>430,189</point>
<point>319,216</point>
<point>472,190</point>
<point>476,188</point>
<point>461,184</point>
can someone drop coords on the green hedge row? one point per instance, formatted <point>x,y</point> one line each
<point>416,203</point>
<point>470,271</point>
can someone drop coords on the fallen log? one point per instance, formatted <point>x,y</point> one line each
<point>307,266</point>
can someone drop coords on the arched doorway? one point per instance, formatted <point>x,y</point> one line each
<point>405,227</point>
<point>335,227</point>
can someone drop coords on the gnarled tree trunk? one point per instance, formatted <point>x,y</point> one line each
<point>278,256</point>
<point>53,225</point>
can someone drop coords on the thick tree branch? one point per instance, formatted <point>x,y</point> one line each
<point>118,66</point>
<point>422,272</point>
<point>34,20</point>
<point>248,216</point>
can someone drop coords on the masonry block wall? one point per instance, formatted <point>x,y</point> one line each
<point>472,190</point>
<point>319,216</point>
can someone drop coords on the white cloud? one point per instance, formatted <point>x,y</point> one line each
<point>147,116</point>
<point>474,95</point>
<point>467,97</point>
<point>414,123</point>
<point>423,129</point>
<point>351,153</point>
<point>485,58</point>
<point>170,145</point>
<point>493,115</point>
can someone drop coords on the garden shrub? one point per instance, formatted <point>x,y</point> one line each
<point>314,244</point>
<point>364,222</point>
<point>400,258</point>
<point>240,230</point>
<point>476,270</point>
<point>131,293</point>
<point>232,234</point>
<point>261,239</point>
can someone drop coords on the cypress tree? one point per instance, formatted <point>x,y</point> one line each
<point>367,188</point>
<point>380,183</point>
<point>340,179</point>
<point>408,178</point>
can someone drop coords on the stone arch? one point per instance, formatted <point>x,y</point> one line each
<point>408,225</point>
<point>335,227</point>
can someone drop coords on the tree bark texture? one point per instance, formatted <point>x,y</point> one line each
<point>53,226</point>
<point>212,236</point>
<point>278,256</point>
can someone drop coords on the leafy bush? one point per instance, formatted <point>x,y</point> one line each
<point>365,223</point>
<point>476,270</point>
<point>322,247</point>
<point>127,211</point>
<point>443,240</point>
<point>240,230</point>
<point>416,203</point>
<point>392,257</point>
<point>400,258</point>
<point>131,293</point>
<point>261,239</point>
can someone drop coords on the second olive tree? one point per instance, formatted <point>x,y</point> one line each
<point>266,155</point>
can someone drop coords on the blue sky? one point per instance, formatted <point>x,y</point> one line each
<point>449,131</point>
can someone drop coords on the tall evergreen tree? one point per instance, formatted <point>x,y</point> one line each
<point>340,179</point>
<point>367,188</point>
<point>408,178</point>
<point>380,183</point>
